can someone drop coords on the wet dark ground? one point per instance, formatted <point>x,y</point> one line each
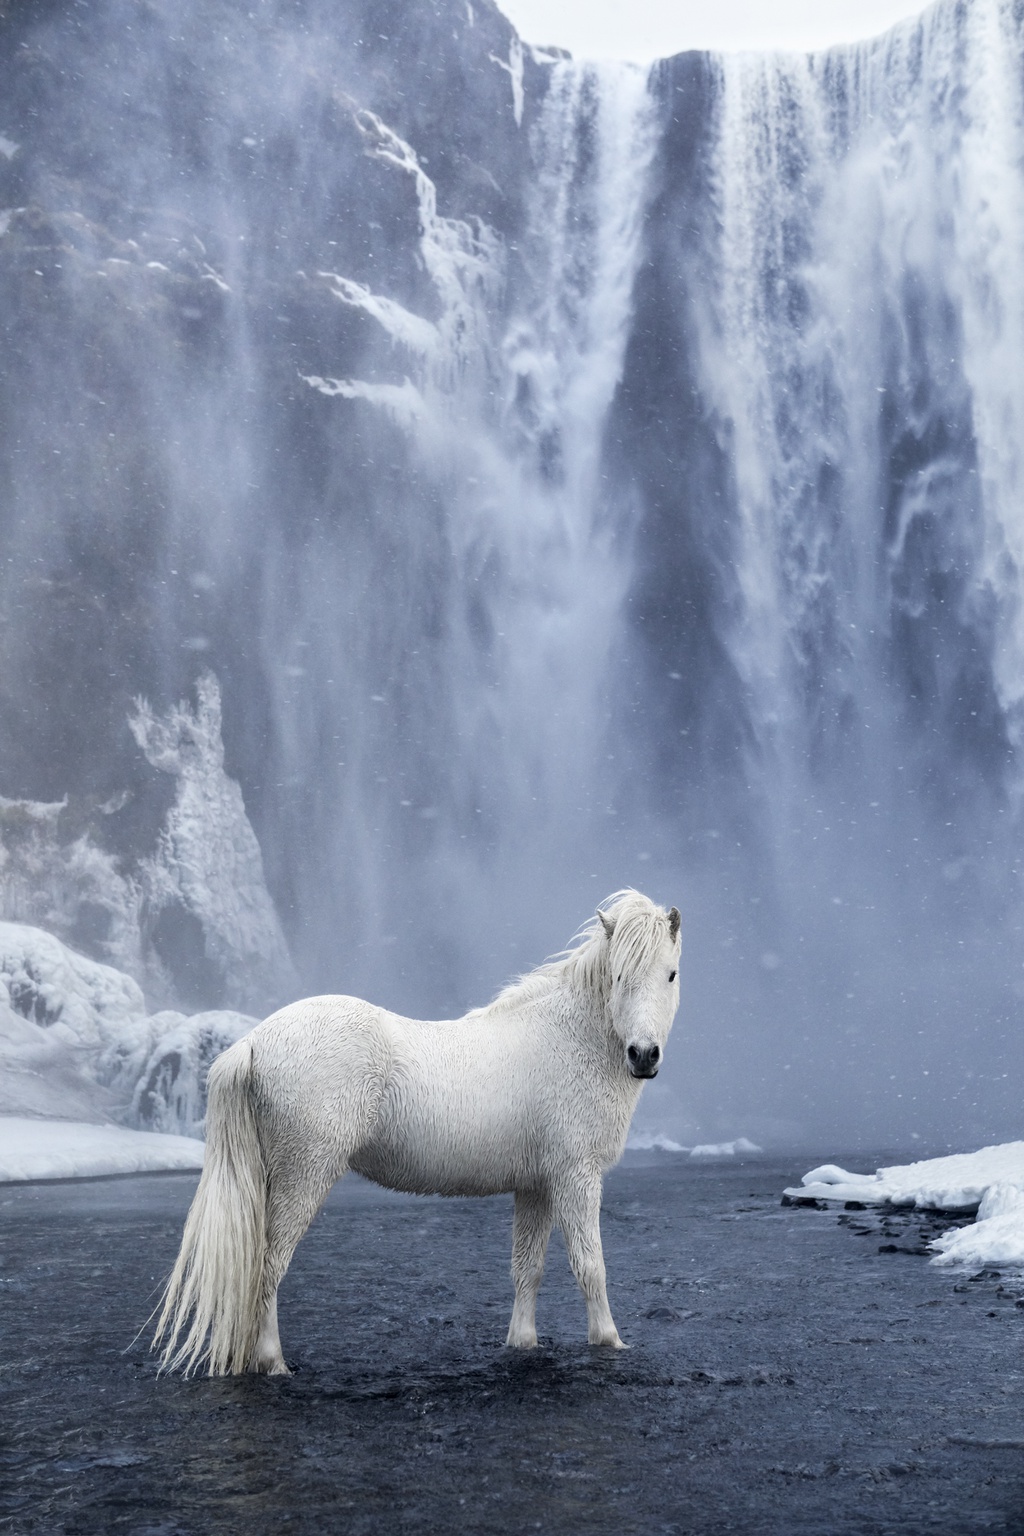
<point>784,1376</point>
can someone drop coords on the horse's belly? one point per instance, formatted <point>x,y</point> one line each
<point>426,1159</point>
<point>428,1176</point>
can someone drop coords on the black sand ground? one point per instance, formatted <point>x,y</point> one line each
<point>784,1375</point>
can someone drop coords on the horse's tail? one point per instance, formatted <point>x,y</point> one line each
<point>211,1306</point>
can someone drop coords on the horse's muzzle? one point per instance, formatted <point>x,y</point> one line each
<point>643,1060</point>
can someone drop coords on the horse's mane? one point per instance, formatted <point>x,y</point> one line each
<point>638,929</point>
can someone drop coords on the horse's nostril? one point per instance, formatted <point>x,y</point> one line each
<point>655,1053</point>
<point>633,1053</point>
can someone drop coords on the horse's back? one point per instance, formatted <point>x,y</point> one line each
<point>323,1059</point>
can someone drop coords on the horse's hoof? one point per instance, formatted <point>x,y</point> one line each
<point>611,1343</point>
<point>272,1368</point>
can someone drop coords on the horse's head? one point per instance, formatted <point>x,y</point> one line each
<point>643,965</point>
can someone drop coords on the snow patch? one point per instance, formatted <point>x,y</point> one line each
<point>57,885</point>
<point>997,1237</point>
<point>724,1148</point>
<point>990,1181</point>
<point>653,1141</point>
<point>65,1149</point>
<point>952,1183</point>
<point>649,1141</point>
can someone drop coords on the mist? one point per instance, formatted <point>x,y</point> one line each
<point>553,478</point>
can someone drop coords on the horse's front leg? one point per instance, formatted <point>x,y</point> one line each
<point>578,1211</point>
<point>531,1230</point>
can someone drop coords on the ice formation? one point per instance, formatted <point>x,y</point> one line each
<point>77,1042</point>
<point>170,1094</point>
<point>67,884</point>
<point>990,1182</point>
<point>192,921</point>
<point>208,860</point>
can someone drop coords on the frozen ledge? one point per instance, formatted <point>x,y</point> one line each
<point>989,1181</point>
<point>67,1149</point>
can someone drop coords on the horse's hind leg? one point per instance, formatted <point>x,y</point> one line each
<point>578,1208</point>
<point>305,1157</point>
<point>296,1191</point>
<point>530,1233</point>
<point>318,1107</point>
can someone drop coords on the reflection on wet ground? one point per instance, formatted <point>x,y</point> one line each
<point>784,1376</point>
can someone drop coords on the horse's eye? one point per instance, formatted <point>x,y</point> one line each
<point>618,979</point>
<point>671,975</point>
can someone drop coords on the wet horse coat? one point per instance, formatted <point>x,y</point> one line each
<point>532,1094</point>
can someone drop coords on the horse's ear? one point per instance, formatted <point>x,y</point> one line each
<point>674,920</point>
<point>607,924</point>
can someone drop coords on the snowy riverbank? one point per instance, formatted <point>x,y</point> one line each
<point>990,1182</point>
<point>68,1149</point>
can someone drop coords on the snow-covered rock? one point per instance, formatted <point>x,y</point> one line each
<point>208,861</point>
<point>77,1042</point>
<point>67,884</point>
<point>997,1237</point>
<point>65,1149</point>
<point>56,1004</point>
<point>170,1094</point>
<point>955,1183</point>
<point>190,918</point>
<point>990,1181</point>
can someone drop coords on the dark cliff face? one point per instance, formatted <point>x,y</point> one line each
<point>178,181</point>
<point>180,177</point>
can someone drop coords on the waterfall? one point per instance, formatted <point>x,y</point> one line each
<point>571,476</point>
<point>860,358</point>
<point>503,414</point>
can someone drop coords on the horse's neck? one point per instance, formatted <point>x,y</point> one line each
<point>585,1012</point>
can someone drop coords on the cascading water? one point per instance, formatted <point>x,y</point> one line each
<point>504,414</point>
<point>573,479</point>
<point>855,359</point>
<point>380,516</point>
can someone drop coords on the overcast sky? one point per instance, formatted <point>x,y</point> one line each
<point>652,29</point>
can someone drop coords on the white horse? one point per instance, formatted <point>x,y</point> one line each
<point>533,1094</point>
